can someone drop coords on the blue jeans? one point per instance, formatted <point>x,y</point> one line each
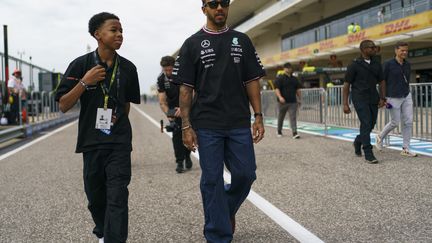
<point>234,148</point>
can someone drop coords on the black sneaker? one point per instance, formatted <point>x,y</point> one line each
<point>370,158</point>
<point>188,163</point>
<point>357,148</point>
<point>179,167</point>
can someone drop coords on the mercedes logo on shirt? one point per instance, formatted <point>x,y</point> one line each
<point>205,43</point>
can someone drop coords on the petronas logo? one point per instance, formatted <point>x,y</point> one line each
<point>235,41</point>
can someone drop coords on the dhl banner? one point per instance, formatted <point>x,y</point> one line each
<point>396,27</point>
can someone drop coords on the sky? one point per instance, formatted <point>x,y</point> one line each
<point>55,32</point>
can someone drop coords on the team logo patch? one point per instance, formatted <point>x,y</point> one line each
<point>205,43</point>
<point>235,41</point>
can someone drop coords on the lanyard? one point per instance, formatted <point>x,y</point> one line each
<point>116,72</point>
<point>104,88</point>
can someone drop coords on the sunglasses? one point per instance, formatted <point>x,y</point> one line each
<point>215,4</point>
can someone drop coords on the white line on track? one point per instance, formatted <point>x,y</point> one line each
<point>279,217</point>
<point>4,156</point>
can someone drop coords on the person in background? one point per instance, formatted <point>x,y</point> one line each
<point>357,28</point>
<point>350,28</point>
<point>398,96</point>
<point>362,76</point>
<point>17,91</point>
<point>169,103</point>
<point>287,90</point>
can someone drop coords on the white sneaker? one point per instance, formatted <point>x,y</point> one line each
<point>296,136</point>
<point>279,135</point>
<point>378,142</point>
<point>406,152</point>
<point>101,240</point>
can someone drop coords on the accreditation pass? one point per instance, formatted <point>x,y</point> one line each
<point>103,118</point>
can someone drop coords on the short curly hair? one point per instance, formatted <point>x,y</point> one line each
<point>97,21</point>
<point>167,61</point>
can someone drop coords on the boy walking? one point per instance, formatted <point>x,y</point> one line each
<point>105,83</point>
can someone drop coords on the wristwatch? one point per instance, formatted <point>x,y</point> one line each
<point>258,114</point>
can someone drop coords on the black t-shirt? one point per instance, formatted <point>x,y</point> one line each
<point>288,86</point>
<point>363,78</point>
<point>397,78</point>
<point>218,65</point>
<point>90,138</point>
<point>165,84</point>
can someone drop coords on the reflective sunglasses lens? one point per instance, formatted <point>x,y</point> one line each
<point>215,4</point>
<point>225,4</point>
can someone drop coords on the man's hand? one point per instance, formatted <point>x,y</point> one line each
<point>177,112</point>
<point>381,103</point>
<point>281,100</point>
<point>346,109</point>
<point>94,75</point>
<point>258,129</point>
<point>190,140</point>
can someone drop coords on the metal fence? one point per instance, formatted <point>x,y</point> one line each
<point>38,112</point>
<point>325,107</point>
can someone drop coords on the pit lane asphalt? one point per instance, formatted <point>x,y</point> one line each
<point>316,181</point>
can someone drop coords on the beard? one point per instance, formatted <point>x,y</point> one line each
<point>217,22</point>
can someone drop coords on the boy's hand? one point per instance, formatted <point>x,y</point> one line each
<point>94,75</point>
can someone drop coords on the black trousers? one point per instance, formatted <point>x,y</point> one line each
<point>367,114</point>
<point>180,151</point>
<point>107,174</point>
<point>14,110</point>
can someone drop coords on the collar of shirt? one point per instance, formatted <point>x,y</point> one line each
<point>215,32</point>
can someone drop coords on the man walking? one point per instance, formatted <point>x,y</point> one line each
<point>223,68</point>
<point>398,96</point>
<point>362,76</point>
<point>287,89</point>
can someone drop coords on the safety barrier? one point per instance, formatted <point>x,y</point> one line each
<point>325,107</point>
<point>42,111</point>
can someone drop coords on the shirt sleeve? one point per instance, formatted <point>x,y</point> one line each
<point>184,68</point>
<point>385,71</point>
<point>253,68</point>
<point>132,88</point>
<point>71,77</point>
<point>299,84</point>
<point>350,73</point>
<point>11,83</point>
<point>277,83</point>
<point>160,83</point>
<point>380,73</point>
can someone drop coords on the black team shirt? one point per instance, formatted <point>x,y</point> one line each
<point>90,138</point>
<point>165,84</point>
<point>288,86</point>
<point>218,66</point>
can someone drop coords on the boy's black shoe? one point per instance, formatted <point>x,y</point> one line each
<point>357,148</point>
<point>370,158</point>
<point>188,163</point>
<point>179,167</point>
